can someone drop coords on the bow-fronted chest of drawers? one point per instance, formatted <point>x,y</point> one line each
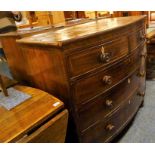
<point>96,68</point>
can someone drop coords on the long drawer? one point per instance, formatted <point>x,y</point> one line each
<point>104,53</point>
<point>98,56</point>
<point>88,87</point>
<point>107,129</point>
<point>105,104</point>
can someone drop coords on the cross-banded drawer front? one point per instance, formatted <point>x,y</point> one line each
<point>89,87</point>
<point>103,105</point>
<point>107,128</point>
<point>136,38</point>
<point>98,56</point>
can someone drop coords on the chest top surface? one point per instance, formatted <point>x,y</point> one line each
<point>81,31</point>
<point>25,31</point>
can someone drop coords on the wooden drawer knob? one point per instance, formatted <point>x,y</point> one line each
<point>110,127</point>
<point>141,94</point>
<point>104,57</point>
<point>107,79</point>
<point>143,55</point>
<point>141,74</point>
<point>129,80</point>
<point>143,36</point>
<point>127,61</point>
<point>129,101</point>
<point>109,103</point>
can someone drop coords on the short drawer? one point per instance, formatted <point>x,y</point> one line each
<point>104,131</point>
<point>105,104</point>
<point>98,56</point>
<point>136,38</point>
<point>89,87</point>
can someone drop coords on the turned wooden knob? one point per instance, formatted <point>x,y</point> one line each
<point>107,79</point>
<point>141,74</point>
<point>109,103</point>
<point>142,36</point>
<point>104,57</point>
<point>129,80</point>
<point>143,55</point>
<point>110,127</point>
<point>141,94</point>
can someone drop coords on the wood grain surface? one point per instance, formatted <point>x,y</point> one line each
<point>83,63</point>
<point>17,122</point>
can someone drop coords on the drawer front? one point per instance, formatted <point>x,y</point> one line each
<point>91,86</point>
<point>98,56</point>
<point>105,104</point>
<point>104,131</point>
<point>136,38</point>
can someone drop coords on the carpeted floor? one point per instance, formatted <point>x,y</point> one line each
<point>142,129</point>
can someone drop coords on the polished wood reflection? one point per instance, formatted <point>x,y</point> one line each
<point>19,121</point>
<point>82,65</point>
<point>70,34</point>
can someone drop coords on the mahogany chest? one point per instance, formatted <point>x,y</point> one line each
<point>96,68</point>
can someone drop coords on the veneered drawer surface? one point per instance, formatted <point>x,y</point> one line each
<point>103,105</point>
<point>97,56</point>
<point>91,86</point>
<point>136,38</point>
<point>106,129</point>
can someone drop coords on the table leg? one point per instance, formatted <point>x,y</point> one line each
<point>4,90</point>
